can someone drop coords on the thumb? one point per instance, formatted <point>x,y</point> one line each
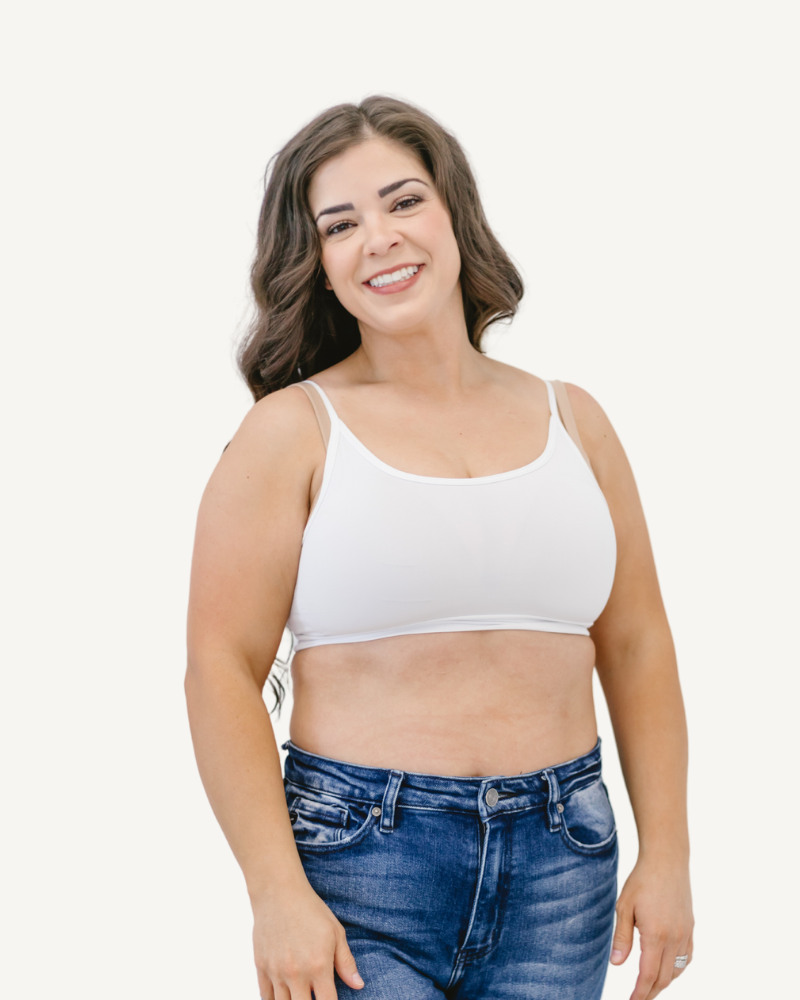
<point>623,936</point>
<point>345,964</point>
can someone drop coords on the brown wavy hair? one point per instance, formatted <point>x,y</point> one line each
<point>299,328</point>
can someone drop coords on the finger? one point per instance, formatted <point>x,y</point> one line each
<point>684,948</point>
<point>345,964</point>
<point>265,990</point>
<point>649,965</point>
<point>324,987</point>
<point>322,982</point>
<point>666,970</point>
<point>623,935</point>
<point>297,989</point>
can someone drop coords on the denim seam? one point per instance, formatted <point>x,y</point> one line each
<point>580,848</point>
<point>401,805</point>
<point>406,805</point>
<point>341,843</point>
<point>483,853</point>
<point>296,799</point>
<point>334,795</point>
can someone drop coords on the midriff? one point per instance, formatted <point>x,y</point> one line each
<point>456,703</point>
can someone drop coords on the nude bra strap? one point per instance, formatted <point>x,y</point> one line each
<point>567,417</point>
<point>320,411</point>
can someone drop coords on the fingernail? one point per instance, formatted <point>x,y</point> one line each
<point>357,979</point>
<point>616,955</point>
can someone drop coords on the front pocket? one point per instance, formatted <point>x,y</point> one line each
<point>323,822</point>
<point>587,820</point>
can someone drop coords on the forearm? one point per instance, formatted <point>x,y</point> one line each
<point>239,764</point>
<point>646,707</point>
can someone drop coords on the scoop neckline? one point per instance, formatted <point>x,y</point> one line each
<point>449,480</point>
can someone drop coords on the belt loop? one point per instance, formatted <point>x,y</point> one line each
<point>553,811</point>
<point>389,800</point>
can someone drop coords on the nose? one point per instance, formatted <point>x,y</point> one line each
<point>380,236</point>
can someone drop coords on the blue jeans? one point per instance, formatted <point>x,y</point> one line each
<point>466,888</point>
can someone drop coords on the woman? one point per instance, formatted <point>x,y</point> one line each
<point>454,551</point>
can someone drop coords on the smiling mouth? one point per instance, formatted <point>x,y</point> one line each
<point>392,278</point>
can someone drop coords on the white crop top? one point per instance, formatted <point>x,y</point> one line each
<point>389,553</point>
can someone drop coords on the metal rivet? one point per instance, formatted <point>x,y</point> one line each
<point>492,797</point>
<point>560,807</point>
<point>376,810</point>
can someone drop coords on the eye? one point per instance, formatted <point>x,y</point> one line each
<point>407,201</point>
<point>337,227</point>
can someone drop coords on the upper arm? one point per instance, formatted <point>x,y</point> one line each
<point>635,609</point>
<point>249,534</point>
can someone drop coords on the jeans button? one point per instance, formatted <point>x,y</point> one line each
<point>492,797</point>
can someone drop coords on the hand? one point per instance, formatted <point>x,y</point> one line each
<point>298,942</point>
<point>657,900</point>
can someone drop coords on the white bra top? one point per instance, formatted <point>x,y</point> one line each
<point>389,553</point>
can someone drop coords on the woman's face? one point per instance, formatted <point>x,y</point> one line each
<point>378,214</point>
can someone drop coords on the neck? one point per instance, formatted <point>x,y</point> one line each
<point>436,356</point>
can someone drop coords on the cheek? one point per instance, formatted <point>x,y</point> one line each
<point>335,264</point>
<point>439,236</point>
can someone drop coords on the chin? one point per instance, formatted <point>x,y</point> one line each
<point>403,322</point>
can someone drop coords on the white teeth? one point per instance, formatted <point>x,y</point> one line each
<point>389,279</point>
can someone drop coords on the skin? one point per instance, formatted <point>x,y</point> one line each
<point>421,398</point>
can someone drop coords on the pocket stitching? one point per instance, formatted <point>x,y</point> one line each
<point>577,845</point>
<point>358,834</point>
<point>587,848</point>
<point>291,785</point>
<point>293,805</point>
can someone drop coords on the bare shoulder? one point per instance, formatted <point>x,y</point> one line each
<point>267,468</point>
<point>278,433</point>
<point>599,438</point>
<point>249,531</point>
<point>590,416</point>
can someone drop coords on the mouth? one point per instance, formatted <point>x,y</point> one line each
<point>396,280</point>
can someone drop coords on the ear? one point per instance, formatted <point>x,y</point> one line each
<point>328,285</point>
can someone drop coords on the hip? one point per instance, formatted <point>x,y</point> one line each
<point>462,876</point>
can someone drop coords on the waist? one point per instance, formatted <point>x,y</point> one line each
<point>482,795</point>
<point>448,703</point>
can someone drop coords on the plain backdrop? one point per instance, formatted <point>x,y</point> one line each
<point>640,163</point>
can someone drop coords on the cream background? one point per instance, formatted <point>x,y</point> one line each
<point>640,163</point>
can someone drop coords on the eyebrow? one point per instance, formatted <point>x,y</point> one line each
<point>349,207</point>
<point>397,184</point>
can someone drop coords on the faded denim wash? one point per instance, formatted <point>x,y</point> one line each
<point>498,887</point>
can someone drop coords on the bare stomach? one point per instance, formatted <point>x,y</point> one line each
<point>457,703</point>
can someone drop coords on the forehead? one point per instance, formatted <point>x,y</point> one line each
<point>360,171</point>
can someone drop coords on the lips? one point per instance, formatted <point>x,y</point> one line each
<point>405,276</point>
<point>397,269</point>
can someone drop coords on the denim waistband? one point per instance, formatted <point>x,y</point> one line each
<point>488,796</point>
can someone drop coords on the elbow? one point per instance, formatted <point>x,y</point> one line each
<point>209,672</point>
